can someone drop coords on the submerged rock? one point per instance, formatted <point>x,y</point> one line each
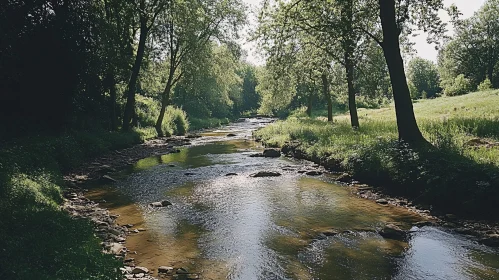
<point>313,173</point>
<point>108,178</point>
<point>330,232</point>
<point>231,135</point>
<point>266,174</point>
<point>231,174</point>
<point>393,232</point>
<point>163,203</point>
<point>491,240</point>
<point>271,153</point>
<point>256,155</point>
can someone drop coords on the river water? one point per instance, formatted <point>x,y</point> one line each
<point>241,227</point>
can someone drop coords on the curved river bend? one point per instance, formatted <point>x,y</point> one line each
<point>240,227</point>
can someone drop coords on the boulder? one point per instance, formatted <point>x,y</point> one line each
<point>140,269</point>
<point>271,153</point>
<point>393,232</point>
<point>163,203</point>
<point>115,248</point>
<point>344,178</point>
<point>265,174</point>
<point>313,173</point>
<point>382,201</point>
<point>491,240</point>
<point>165,269</point>
<point>182,270</point>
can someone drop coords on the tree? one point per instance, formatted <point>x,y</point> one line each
<point>186,29</point>
<point>397,17</point>
<point>423,74</point>
<point>334,26</point>
<point>148,12</point>
<point>474,49</point>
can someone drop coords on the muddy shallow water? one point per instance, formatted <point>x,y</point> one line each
<point>240,227</point>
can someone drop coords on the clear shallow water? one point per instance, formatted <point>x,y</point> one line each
<point>240,227</point>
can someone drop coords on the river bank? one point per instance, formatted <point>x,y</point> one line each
<point>375,185</point>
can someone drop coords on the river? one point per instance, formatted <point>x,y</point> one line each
<point>241,227</point>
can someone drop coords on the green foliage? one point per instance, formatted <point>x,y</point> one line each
<point>473,48</point>
<point>175,121</point>
<point>485,85</point>
<point>423,77</point>
<point>197,124</point>
<point>460,86</point>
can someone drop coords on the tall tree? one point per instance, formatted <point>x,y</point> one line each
<point>187,28</point>
<point>148,12</point>
<point>397,17</point>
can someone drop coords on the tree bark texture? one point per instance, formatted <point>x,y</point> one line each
<point>406,121</point>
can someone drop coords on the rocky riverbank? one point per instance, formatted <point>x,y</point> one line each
<point>113,235</point>
<point>485,232</point>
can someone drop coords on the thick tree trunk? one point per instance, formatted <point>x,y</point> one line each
<point>327,95</point>
<point>309,105</point>
<point>406,122</point>
<point>130,101</point>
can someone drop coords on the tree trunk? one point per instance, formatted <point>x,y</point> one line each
<point>130,101</point>
<point>309,105</point>
<point>112,94</point>
<point>348,48</point>
<point>352,106</point>
<point>165,100</point>
<point>490,70</point>
<point>406,121</point>
<point>327,95</point>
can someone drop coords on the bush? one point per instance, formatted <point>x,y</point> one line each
<point>485,85</point>
<point>177,120</point>
<point>460,86</point>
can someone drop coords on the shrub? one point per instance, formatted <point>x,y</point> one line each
<point>175,121</point>
<point>485,85</point>
<point>147,110</point>
<point>460,86</point>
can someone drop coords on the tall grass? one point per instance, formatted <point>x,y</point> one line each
<point>453,175</point>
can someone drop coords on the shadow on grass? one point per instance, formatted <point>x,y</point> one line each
<point>441,177</point>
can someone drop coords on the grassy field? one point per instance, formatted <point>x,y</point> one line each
<point>459,174</point>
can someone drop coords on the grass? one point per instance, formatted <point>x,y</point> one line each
<point>459,174</point>
<point>37,239</point>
